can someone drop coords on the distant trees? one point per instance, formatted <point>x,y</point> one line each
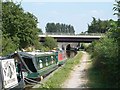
<point>59,28</point>
<point>19,28</point>
<point>99,26</point>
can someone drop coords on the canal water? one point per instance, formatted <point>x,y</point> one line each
<point>70,53</point>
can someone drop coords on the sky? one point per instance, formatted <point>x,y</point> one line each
<point>74,12</point>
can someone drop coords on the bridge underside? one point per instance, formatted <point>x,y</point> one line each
<point>71,39</point>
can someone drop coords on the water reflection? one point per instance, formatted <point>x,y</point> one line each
<point>70,53</point>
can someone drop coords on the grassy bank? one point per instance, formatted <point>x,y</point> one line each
<point>96,79</point>
<point>59,77</point>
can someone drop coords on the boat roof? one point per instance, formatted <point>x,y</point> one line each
<point>5,57</point>
<point>34,53</point>
<point>39,53</point>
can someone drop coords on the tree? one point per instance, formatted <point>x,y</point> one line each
<point>19,26</point>
<point>51,28</point>
<point>117,9</point>
<point>116,33</point>
<point>8,46</point>
<point>59,28</point>
<point>106,51</point>
<point>98,26</point>
<point>50,43</point>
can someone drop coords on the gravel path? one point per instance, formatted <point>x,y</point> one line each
<point>78,77</point>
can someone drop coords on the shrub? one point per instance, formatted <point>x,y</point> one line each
<point>105,58</point>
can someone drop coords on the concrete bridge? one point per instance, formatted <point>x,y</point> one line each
<point>71,38</point>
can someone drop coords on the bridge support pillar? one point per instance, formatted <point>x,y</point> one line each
<point>64,44</point>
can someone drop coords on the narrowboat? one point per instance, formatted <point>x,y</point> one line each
<point>30,67</point>
<point>61,57</point>
<point>36,65</point>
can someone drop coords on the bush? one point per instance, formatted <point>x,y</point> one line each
<point>105,58</point>
<point>8,46</point>
<point>50,43</point>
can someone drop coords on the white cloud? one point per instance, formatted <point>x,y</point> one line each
<point>54,12</point>
<point>97,12</point>
<point>94,11</point>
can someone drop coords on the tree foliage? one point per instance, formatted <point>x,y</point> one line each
<point>116,32</point>
<point>116,8</point>
<point>99,26</point>
<point>50,43</point>
<point>59,28</point>
<point>19,27</point>
<point>106,52</point>
<point>9,46</point>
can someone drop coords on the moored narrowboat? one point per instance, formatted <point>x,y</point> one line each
<point>36,65</point>
<point>30,67</point>
<point>61,57</point>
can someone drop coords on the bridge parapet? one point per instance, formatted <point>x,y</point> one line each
<point>69,34</point>
<point>71,38</point>
<point>93,34</point>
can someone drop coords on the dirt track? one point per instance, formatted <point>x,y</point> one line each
<point>78,77</point>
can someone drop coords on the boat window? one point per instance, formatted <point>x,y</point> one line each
<point>29,63</point>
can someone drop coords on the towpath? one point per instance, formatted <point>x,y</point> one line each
<point>78,77</point>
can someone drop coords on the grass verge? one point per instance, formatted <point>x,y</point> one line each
<point>96,79</point>
<point>59,77</point>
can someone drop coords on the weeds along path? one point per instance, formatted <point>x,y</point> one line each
<point>78,77</point>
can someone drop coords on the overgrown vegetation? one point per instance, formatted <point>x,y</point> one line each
<point>106,53</point>
<point>62,74</point>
